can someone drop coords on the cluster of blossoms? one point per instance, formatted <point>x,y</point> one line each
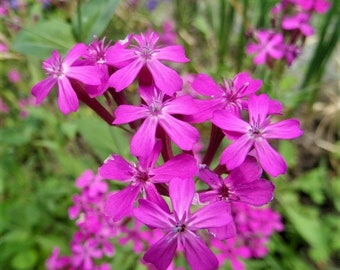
<point>290,27</point>
<point>93,240</point>
<point>164,145</point>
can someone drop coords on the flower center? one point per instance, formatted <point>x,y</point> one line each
<point>224,192</point>
<point>180,227</point>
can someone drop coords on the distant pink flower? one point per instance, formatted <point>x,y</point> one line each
<point>142,177</point>
<point>3,47</point>
<point>269,46</point>
<point>291,52</point>
<point>181,227</point>
<point>56,262</point>
<point>320,6</point>
<point>159,111</point>
<point>92,184</point>
<point>255,135</point>
<point>300,22</point>
<point>83,254</point>
<point>59,72</point>
<point>14,76</point>
<point>3,106</point>
<point>24,104</point>
<point>231,96</point>
<point>143,60</point>
<point>169,35</point>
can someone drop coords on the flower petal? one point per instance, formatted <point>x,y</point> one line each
<point>43,88</point>
<point>181,191</point>
<point>180,105</point>
<point>76,51</point>
<point>181,133</point>
<point>205,85</point>
<point>166,79</point>
<point>153,196</point>
<point>235,153</point>
<point>116,168</point>
<point>144,139</point>
<point>120,204</point>
<point>90,75</point>
<point>129,113</point>
<point>152,215</point>
<point>286,129</point>
<point>247,172</point>
<point>271,161</point>
<point>198,255</point>
<point>257,193</point>
<point>173,53</point>
<point>209,177</point>
<point>229,122</point>
<point>123,77</point>
<point>258,107</point>
<point>180,166</point>
<point>67,98</point>
<point>211,216</point>
<point>162,252</point>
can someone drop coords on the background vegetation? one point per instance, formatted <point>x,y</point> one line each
<point>43,151</point>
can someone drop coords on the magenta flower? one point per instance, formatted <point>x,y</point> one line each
<point>143,60</point>
<point>243,184</point>
<point>59,72</point>
<point>142,177</point>
<point>181,227</point>
<point>96,55</point>
<point>158,112</point>
<point>84,253</point>
<point>230,96</point>
<point>255,135</point>
<point>320,6</point>
<point>269,45</point>
<point>57,262</point>
<point>300,22</point>
<point>3,106</point>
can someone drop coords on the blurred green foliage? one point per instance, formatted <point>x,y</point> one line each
<point>43,153</point>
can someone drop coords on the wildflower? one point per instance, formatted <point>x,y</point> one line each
<point>159,111</point>
<point>14,76</point>
<point>243,184</point>
<point>3,106</point>
<point>299,22</point>
<point>255,135</point>
<point>59,72</point>
<point>319,6</point>
<point>269,46</point>
<point>143,60</point>
<point>56,262</point>
<point>142,177</point>
<point>181,227</point>
<point>96,55</point>
<point>230,96</point>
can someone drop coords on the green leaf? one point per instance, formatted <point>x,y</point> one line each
<point>306,220</point>
<point>26,259</point>
<point>93,18</point>
<point>42,38</point>
<point>102,138</point>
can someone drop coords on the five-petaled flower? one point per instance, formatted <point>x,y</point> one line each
<point>255,135</point>
<point>59,72</point>
<point>181,227</point>
<point>143,60</point>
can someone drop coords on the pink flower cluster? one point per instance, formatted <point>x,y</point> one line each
<point>92,241</point>
<point>167,187</point>
<point>290,27</point>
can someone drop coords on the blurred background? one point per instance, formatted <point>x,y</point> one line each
<point>42,151</point>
